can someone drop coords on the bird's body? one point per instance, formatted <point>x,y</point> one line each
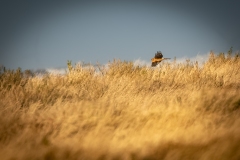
<point>158,58</point>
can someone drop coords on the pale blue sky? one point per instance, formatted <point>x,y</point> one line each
<point>45,34</point>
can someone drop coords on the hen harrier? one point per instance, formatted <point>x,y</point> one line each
<point>158,58</point>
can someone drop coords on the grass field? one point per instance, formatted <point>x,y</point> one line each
<point>174,111</point>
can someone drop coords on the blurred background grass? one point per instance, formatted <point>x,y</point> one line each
<point>123,111</point>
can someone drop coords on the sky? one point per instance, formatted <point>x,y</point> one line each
<point>40,34</point>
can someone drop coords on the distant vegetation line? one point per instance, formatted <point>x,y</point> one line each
<point>123,111</point>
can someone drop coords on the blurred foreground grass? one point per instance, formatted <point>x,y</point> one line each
<point>174,111</point>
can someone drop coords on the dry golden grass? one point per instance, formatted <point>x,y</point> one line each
<point>174,111</point>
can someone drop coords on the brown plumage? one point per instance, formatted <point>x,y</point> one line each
<point>157,58</point>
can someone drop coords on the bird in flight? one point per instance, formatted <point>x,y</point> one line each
<point>158,58</point>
